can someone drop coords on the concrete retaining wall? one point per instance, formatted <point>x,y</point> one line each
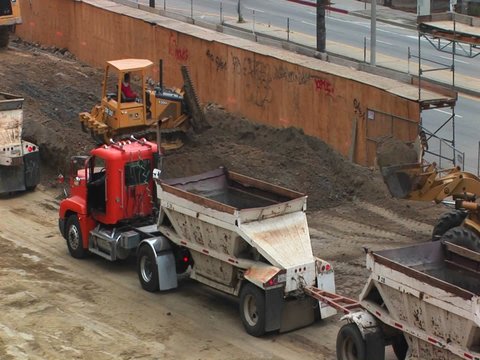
<point>266,84</point>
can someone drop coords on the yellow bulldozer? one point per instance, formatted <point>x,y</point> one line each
<point>9,17</point>
<point>408,176</point>
<point>118,116</point>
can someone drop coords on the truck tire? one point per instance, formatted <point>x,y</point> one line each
<point>252,309</point>
<point>147,269</point>
<point>73,235</point>
<point>463,236</point>
<point>350,343</point>
<point>447,221</point>
<point>4,35</point>
<point>400,347</point>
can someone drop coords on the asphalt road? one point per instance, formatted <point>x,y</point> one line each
<point>353,31</point>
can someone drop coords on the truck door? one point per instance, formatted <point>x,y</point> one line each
<point>96,185</point>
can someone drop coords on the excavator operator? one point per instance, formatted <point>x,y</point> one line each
<point>128,95</point>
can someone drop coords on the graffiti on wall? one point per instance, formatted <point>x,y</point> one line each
<point>179,53</point>
<point>262,75</point>
<point>358,109</point>
<point>325,86</point>
<point>220,64</point>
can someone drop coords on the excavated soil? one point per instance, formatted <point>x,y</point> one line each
<point>55,307</point>
<point>58,87</point>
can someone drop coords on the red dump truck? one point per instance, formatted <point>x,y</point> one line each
<point>239,235</point>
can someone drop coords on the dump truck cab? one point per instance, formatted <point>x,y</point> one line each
<point>9,16</point>
<point>110,189</point>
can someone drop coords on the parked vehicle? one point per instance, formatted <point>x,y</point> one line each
<point>9,17</point>
<point>19,159</point>
<point>239,235</point>
<point>423,300</point>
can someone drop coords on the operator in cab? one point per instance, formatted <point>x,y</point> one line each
<point>128,94</point>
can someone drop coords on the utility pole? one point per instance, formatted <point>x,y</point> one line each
<point>321,30</point>
<point>239,11</point>
<point>373,33</point>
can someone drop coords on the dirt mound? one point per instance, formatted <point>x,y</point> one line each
<point>395,152</point>
<point>285,157</point>
<point>58,87</point>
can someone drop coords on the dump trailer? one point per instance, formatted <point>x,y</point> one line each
<point>239,235</point>
<point>422,299</point>
<point>19,159</point>
<point>9,17</point>
<point>245,237</point>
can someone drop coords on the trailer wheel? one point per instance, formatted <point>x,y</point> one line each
<point>447,221</point>
<point>73,235</point>
<point>147,269</point>
<point>252,309</point>
<point>350,344</point>
<point>400,347</point>
<point>463,236</point>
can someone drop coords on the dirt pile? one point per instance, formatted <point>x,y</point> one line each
<point>57,88</point>
<point>395,152</point>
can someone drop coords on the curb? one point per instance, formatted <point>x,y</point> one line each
<point>459,89</point>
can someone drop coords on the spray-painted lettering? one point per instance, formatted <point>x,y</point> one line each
<point>324,85</point>
<point>179,53</point>
<point>220,63</point>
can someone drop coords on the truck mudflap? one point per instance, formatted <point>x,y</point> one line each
<point>287,314</point>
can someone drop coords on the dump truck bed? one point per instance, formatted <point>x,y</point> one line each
<point>11,119</point>
<point>431,292</point>
<point>228,214</point>
<point>230,192</point>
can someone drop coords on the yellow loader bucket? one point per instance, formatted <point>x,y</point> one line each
<point>401,180</point>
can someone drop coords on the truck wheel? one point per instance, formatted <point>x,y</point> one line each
<point>4,35</point>
<point>350,344</point>
<point>400,347</point>
<point>147,269</point>
<point>252,309</point>
<point>73,235</point>
<point>463,236</point>
<point>447,221</point>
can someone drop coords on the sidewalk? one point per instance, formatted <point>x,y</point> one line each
<point>384,14</point>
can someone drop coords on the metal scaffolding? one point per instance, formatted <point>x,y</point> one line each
<point>455,35</point>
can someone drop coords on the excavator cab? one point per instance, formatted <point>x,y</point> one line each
<point>120,111</point>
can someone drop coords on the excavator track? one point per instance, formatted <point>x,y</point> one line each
<point>198,120</point>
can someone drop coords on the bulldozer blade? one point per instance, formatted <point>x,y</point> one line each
<point>399,180</point>
<point>198,121</point>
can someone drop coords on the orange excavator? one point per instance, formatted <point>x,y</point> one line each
<point>425,182</point>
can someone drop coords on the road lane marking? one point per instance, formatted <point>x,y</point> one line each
<point>384,42</point>
<point>256,10</point>
<point>446,112</point>
<point>308,23</point>
<point>456,60</point>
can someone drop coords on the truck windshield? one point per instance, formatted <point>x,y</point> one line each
<point>137,172</point>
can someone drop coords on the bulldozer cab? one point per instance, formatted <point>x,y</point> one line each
<point>125,102</point>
